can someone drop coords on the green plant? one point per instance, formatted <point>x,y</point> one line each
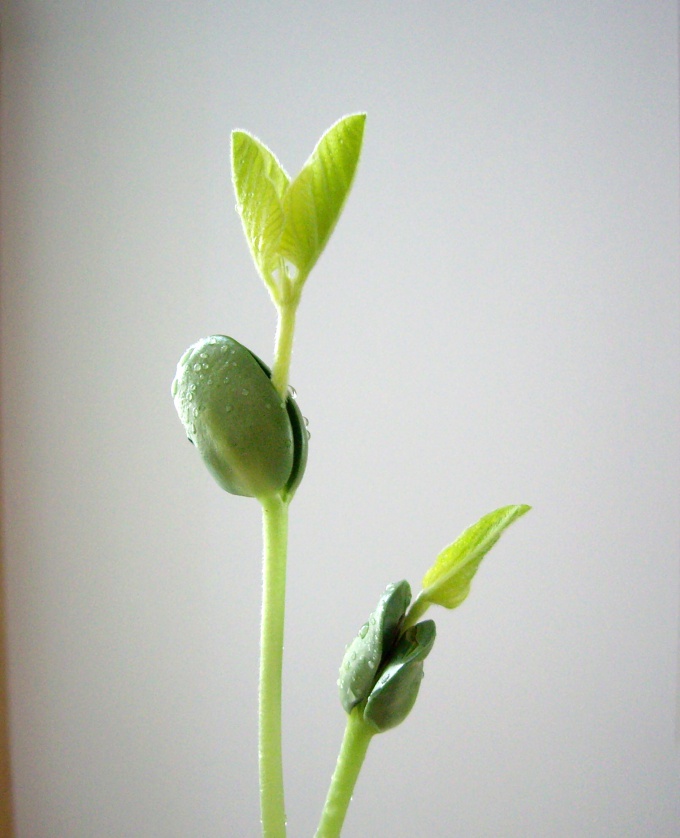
<point>246,425</point>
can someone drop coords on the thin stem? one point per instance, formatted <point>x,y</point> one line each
<point>355,743</point>
<point>418,607</point>
<point>275,533</point>
<point>284,345</point>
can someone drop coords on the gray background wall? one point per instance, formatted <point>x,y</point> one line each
<point>494,321</point>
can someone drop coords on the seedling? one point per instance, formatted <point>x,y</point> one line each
<point>247,426</point>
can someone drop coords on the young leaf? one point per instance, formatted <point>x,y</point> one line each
<point>314,200</point>
<point>447,582</point>
<point>259,183</point>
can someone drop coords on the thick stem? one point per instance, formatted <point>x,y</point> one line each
<point>350,759</point>
<point>275,532</point>
<point>275,536</point>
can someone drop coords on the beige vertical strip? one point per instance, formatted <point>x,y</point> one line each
<point>6,819</point>
<point>6,827</point>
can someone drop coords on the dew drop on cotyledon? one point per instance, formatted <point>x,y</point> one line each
<point>224,395</point>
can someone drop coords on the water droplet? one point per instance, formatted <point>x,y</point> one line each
<point>192,387</point>
<point>291,269</point>
<point>347,666</point>
<point>223,348</point>
<point>190,396</point>
<point>232,352</point>
<point>175,385</point>
<point>245,392</point>
<point>227,408</point>
<point>309,435</point>
<point>372,621</point>
<point>197,367</point>
<point>306,421</point>
<point>292,392</point>
<point>354,656</point>
<point>234,363</point>
<point>205,366</point>
<point>363,631</point>
<point>204,354</point>
<point>226,379</point>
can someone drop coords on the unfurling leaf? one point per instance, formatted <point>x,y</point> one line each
<point>447,582</point>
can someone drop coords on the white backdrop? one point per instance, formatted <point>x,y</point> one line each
<point>494,321</point>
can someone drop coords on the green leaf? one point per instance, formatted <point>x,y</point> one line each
<point>365,654</point>
<point>396,691</point>
<point>314,200</point>
<point>287,224</point>
<point>259,183</point>
<point>447,582</point>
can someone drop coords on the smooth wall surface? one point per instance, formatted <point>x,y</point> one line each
<point>494,321</point>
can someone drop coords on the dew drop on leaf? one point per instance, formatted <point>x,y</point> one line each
<point>291,269</point>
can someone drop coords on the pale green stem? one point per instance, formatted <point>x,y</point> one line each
<point>418,607</point>
<point>355,743</point>
<point>284,345</point>
<point>275,533</point>
<point>275,536</point>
